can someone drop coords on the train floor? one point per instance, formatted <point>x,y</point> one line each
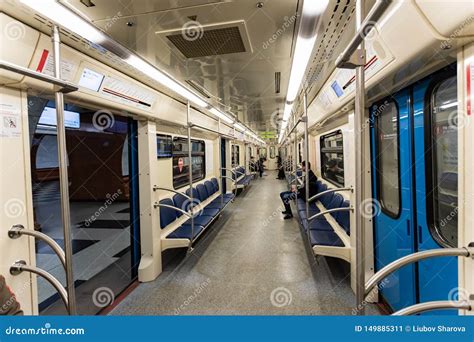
<point>251,262</point>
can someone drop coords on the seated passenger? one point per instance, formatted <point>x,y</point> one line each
<point>287,196</point>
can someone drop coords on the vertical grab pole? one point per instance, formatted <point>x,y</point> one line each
<point>219,145</point>
<point>306,156</point>
<point>63,174</point>
<point>359,113</point>
<point>295,161</point>
<point>190,156</point>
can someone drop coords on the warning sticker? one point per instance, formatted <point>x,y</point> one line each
<point>46,66</point>
<point>10,121</point>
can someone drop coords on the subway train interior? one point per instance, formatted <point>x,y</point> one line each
<point>237,157</point>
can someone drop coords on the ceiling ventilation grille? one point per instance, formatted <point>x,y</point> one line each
<point>209,42</point>
<point>194,40</point>
<point>327,44</point>
<point>277,82</point>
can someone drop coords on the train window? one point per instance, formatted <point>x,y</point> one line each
<point>332,158</point>
<point>444,163</point>
<point>272,152</point>
<point>250,152</point>
<point>388,171</point>
<point>262,152</point>
<point>235,155</point>
<point>181,161</point>
<point>164,146</point>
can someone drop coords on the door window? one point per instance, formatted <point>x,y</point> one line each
<point>388,159</point>
<point>444,163</point>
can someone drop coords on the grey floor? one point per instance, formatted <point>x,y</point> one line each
<point>251,262</point>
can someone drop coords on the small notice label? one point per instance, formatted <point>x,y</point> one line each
<point>46,66</point>
<point>10,121</point>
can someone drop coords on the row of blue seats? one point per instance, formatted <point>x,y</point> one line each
<point>321,232</point>
<point>203,218</point>
<point>240,177</point>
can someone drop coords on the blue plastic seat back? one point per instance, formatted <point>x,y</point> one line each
<point>320,187</point>
<point>215,183</point>
<point>195,193</point>
<point>210,188</point>
<point>335,202</point>
<point>343,218</point>
<point>326,199</point>
<point>181,202</point>
<point>201,189</point>
<point>167,215</point>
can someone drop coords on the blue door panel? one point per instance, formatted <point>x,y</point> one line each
<point>394,236</point>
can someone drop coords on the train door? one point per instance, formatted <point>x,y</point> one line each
<point>102,169</point>
<point>394,232</point>
<point>414,144</point>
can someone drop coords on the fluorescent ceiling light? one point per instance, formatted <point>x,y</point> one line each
<point>149,70</point>
<point>221,115</point>
<point>239,127</point>
<point>305,41</point>
<point>64,17</point>
<point>71,21</point>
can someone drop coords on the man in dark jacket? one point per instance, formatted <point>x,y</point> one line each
<point>287,196</point>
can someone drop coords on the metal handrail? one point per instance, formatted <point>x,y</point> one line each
<point>18,230</point>
<point>191,125</point>
<point>315,197</point>
<point>161,205</point>
<point>229,170</point>
<point>435,305</point>
<point>329,211</point>
<point>171,190</point>
<point>20,266</point>
<point>230,178</point>
<point>66,87</point>
<point>415,257</point>
<point>369,22</point>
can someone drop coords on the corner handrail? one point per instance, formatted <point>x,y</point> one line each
<point>227,170</point>
<point>315,197</point>
<point>434,305</point>
<point>171,190</point>
<point>161,205</point>
<point>20,266</point>
<point>329,211</point>
<point>415,257</point>
<point>66,87</point>
<point>18,230</point>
